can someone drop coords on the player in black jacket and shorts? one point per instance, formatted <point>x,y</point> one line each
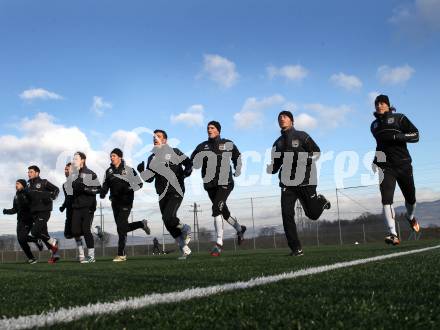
<point>67,206</point>
<point>122,181</point>
<point>41,193</point>
<point>294,155</point>
<point>392,132</point>
<point>168,167</point>
<point>24,221</point>
<point>85,186</point>
<point>214,157</point>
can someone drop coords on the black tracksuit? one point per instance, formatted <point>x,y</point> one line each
<point>122,182</point>
<point>293,155</point>
<point>24,221</point>
<point>85,185</point>
<point>67,206</point>
<point>392,132</point>
<point>214,157</point>
<point>41,194</point>
<point>168,167</point>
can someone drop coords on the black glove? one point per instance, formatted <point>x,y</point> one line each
<point>141,167</point>
<point>4,211</point>
<point>62,208</point>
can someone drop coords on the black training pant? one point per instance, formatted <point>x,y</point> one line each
<point>121,214</point>
<point>23,230</point>
<point>169,205</point>
<point>218,197</point>
<point>313,207</point>
<point>403,175</point>
<point>68,225</point>
<point>82,220</point>
<point>39,229</point>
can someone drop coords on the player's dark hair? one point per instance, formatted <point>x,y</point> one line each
<point>35,168</point>
<point>82,156</point>
<point>165,135</point>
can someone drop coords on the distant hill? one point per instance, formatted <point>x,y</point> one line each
<point>427,213</point>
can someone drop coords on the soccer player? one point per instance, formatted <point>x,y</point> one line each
<point>294,155</point>
<point>85,186</point>
<point>392,132</point>
<point>214,157</point>
<point>41,194</point>
<point>67,206</point>
<point>168,167</point>
<point>24,221</point>
<point>122,181</point>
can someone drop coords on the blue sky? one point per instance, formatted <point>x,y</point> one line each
<point>108,66</point>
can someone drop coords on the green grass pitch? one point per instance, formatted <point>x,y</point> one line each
<point>402,292</point>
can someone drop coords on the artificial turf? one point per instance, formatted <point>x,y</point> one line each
<point>402,292</point>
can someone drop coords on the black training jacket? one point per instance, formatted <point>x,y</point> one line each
<point>122,182</point>
<point>21,207</point>
<point>168,167</point>
<point>302,152</point>
<point>85,186</point>
<point>214,157</point>
<point>41,194</point>
<point>392,132</point>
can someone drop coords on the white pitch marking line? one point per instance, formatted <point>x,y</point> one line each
<point>64,315</point>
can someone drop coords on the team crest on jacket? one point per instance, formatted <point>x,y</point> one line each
<point>124,172</point>
<point>38,186</point>
<point>110,171</point>
<point>295,143</point>
<point>225,146</point>
<point>390,121</point>
<point>206,147</point>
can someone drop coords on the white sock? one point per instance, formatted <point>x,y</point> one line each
<point>80,247</point>
<point>410,210</point>
<point>51,241</point>
<point>388,211</point>
<point>234,223</point>
<point>91,252</point>
<point>218,225</point>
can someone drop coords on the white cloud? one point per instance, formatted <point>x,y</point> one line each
<point>44,142</point>
<point>251,114</point>
<point>220,70</point>
<point>396,75</point>
<point>418,16</point>
<point>290,72</point>
<point>348,82</point>
<point>99,106</point>
<point>328,116</point>
<point>39,93</point>
<point>193,116</point>
<point>248,119</point>
<point>304,121</point>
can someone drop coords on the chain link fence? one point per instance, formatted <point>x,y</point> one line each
<point>355,218</point>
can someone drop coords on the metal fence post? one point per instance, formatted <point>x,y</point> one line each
<point>253,221</point>
<point>363,230</point>
<point>317,233</point>
<point>339,218</point>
